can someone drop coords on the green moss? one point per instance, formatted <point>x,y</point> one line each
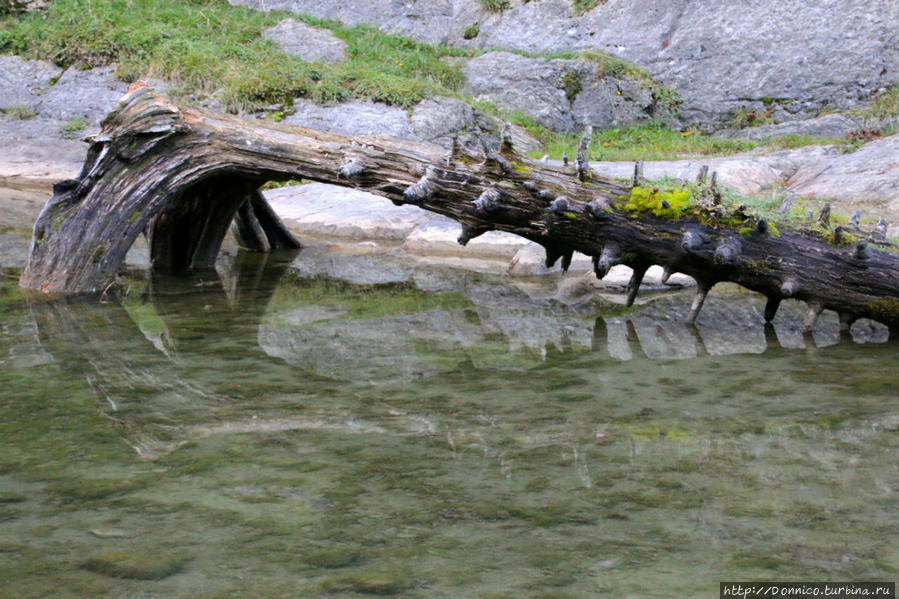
<point>9,497</point>
<point>745,231</point>
<point>495,5</point>
<point>73,126</point>
<point>337,557</point>
<point>885,311</point>
<point>134,216</point>
<point>759,560</point>
<point>91,489</point>
<point>571,83</point>
<point>369,583</point>
<point>472,31</point>
<point>136,566</point>
<point>521,168</point>
<point>582,6</point>
<point>670,204</point>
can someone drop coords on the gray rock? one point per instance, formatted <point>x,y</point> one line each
<point>514,82</point>
<point>34,149</point>
<point>320,209</point>
<point>561,94</point>
<point>829,125</point>
<point>530,260</point>
<point>437,120</point>
<point>311,44</point>
<point>88,94</point>
<point>438,237</point>
<point>745,173</point>
<point>868,177</point>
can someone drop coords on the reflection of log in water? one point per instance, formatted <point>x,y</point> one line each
<point>141,385</point>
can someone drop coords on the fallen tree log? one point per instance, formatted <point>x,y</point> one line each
<point>182,175</point>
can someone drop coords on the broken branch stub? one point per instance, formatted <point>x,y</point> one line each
<point>183,175</point>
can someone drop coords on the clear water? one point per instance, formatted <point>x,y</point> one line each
<point>339,424</point>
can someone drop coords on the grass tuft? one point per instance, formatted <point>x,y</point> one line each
<point>73,126</point>
<point>495,5</point>
<point>19,111</point>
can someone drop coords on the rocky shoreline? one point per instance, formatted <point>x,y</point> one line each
<point>44,148</point>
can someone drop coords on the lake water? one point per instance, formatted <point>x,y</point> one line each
<point>341,423</point>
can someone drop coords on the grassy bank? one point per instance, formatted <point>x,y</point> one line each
<point>203,46</point>
<point>208,46</point>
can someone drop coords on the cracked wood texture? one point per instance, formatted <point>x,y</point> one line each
<point>182,175</point>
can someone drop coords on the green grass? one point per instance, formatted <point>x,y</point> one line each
<point>656,142</point>
<point>19,111</point>
<point>884,108</point>
<point>205,45</point>
<point>582,6</point>
<point>495,5</point>
<point>73,126</point>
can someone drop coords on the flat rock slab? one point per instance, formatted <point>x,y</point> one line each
<point>308,43</point>
<point>320,209</point>
<point>439,237</point>
<point>868,177</point>
<point>829,125</point>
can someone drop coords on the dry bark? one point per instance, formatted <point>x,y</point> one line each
<point>182,175</point>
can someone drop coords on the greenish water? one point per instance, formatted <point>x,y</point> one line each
<point>342,425</point>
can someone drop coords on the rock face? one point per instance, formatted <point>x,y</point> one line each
<point>306,42</point>
<point>563,95</point>
<point>797,56</point>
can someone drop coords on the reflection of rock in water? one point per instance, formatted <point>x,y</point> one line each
<point>206,356</point>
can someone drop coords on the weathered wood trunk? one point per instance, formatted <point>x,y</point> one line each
<point>182,175</point>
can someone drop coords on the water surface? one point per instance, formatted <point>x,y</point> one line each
<point>339,423</point>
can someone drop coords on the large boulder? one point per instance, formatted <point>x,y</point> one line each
<point>563,95</point>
